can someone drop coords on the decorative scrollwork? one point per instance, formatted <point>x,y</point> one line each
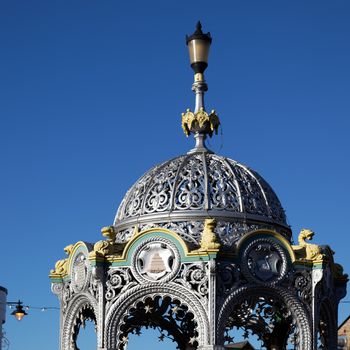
<point>223,186</point>
<point>302,282</point>
<point>125,234</point>
<point>67,295</point>
<point>251,191</point>
<point>57,288</point>
<point>133,200</point>
<point>228,233</point>
<point>276,212</point>
<point>190,191</point>
<point>95,283</point>
<point>158,197</point>
<point>118,280</point>
<point>194,277</point>
<point>197,183</point>
<point>228,277</point>
<point>190,231</point>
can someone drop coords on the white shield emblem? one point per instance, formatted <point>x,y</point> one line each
<point>155,260</point>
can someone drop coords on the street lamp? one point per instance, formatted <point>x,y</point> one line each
<point>19,313</point>
<point>198,46</point>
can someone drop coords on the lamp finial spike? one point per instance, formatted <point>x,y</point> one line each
<point>199,28</point>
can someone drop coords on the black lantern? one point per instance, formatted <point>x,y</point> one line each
<point>19,313</point>
<point>198,46</point>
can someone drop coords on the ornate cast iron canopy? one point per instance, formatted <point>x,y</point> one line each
<point>201,251</point>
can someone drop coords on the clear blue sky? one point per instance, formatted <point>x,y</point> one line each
<point>91,94</point>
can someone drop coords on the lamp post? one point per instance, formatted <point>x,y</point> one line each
<point>198,47</point>
<point>199,122</point>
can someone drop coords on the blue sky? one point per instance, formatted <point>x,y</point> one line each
<point>91,94</point>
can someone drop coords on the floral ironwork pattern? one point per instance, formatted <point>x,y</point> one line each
<point>190,190</point>
<point>194,277</point>
<point>223,186</point>
<point>302,282</point>
<point>195,183</point>
<point>118,280</point>
<point>273,315</point>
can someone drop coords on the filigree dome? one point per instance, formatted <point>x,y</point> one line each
<point>192,187</point>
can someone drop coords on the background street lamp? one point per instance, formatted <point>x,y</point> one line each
<point>19,313</point>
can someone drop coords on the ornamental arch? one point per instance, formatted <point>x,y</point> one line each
<point>166,306</point>
<point>274,315</point>
<point>82,308</point>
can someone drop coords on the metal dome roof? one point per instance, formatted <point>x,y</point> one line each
<point>197,186</point>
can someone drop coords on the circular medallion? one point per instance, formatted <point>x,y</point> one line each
<point>264,261</point>
<point>155,260</point>
<point>79,272</point>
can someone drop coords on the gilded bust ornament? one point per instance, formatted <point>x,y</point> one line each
<point>209,241</point>
<point>200,121</point>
